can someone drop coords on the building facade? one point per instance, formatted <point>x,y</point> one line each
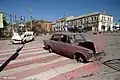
<point>46,25</point>
<point>91,22</point>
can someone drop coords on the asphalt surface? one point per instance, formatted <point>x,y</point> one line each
<point>108,70</point>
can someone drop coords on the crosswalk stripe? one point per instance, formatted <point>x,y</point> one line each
<point>79,72</point>
<point>40,69</point>
<point>30,58</point>
<point>55,72</point>
<point>24,55</point>
<point>28,67</point>
<point>25,48</point>
<point>23,51</point>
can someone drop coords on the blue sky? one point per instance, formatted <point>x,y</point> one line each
<point>54,9</point>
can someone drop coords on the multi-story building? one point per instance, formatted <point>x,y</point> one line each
<point>60,24</point>
<point>91,22</point>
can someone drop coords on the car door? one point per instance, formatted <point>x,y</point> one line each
<point>63,47</point>
<point>28,37</point>
<point>55,41</point>
<point>67,49</point>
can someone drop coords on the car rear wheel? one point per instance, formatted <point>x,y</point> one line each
<point>80,58</point>
<point>33,39</point>
<point>13,43</point>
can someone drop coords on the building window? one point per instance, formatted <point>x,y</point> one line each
<point>83,20</point>
<point>96,18</point>
<point>92,18</point>
<point>102,18</point>
<point>73,22</point>
<point>110,19</point>
<point>87,19</point>
<point>78,21</point>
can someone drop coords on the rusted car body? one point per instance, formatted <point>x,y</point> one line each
<point>72,45</point>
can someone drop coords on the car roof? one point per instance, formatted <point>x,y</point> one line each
<point>67,33</point>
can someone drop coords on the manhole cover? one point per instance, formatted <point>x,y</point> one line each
<point>114,64</point>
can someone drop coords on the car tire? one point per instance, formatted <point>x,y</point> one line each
<point>50,49</point>
<point>80,58</point>
<point>25,41</point>
<point>33,39</point>
<point>13,43</point>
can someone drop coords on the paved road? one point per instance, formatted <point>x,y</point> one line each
<point>34,62</point>
<point>110,70</point>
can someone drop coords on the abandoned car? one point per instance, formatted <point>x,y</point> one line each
<point>72,45</point>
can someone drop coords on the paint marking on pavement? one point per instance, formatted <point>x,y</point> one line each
<point>23,51</point>
<point>25,48</point>
<point>31,58</point>
<point>40,69</point>
<point>79,72</point>
<point>28,67</point>
<point>24,55</point>
<point>37,60</point>
<point>55,72</point>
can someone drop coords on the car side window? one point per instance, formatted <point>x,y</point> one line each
<point>55,38</point>
<point>70,40</point>
<point>64,38</point>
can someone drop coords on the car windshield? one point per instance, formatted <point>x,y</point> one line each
<point>77,38</point>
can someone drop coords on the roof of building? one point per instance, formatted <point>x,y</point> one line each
<point>90,14</point>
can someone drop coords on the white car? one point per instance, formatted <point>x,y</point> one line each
<point>25,37</point>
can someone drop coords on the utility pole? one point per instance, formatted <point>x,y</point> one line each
<point>31,17</point>
<point>25,25</point>
<point>11,21</point>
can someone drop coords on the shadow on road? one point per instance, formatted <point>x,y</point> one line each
<point>13,57</point>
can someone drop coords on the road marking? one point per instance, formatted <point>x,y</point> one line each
<point>31,58</point>
<point>28,67</point>
<point>40,69</point>
<point>22,51</point>
<point>79,72</point>
<point>24,55</point>
<point>24,48</point>
<point>55,72</point>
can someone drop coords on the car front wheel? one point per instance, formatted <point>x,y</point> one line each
<point>80,58</point>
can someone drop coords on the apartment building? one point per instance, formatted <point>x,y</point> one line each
<point>91,22</point>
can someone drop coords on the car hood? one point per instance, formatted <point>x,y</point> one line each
<point>16,37</point>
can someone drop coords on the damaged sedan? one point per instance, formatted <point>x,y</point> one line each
<point>71,45</point>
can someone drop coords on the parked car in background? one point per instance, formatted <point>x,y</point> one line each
<point>72,45</point>
<point>25,37</point>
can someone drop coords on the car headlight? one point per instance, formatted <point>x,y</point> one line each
<point>90,53</point>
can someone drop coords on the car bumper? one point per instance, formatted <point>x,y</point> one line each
<point>16,41</point>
